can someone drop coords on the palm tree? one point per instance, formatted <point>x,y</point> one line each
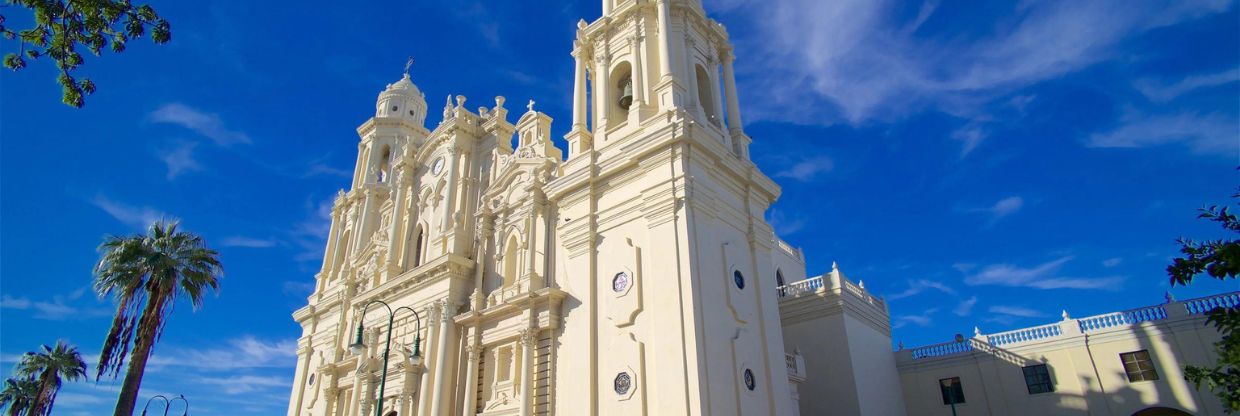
<point>146,274</point>
<point>19,394</point>
<point>46,368</point>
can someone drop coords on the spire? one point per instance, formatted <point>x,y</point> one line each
<point>408,64</point>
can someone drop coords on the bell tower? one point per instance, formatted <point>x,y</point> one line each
<point>663,244</point>
<point>647,57</point>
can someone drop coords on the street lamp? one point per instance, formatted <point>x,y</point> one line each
<point>180,397</point>
<point>948,386</point>
<point>148,404</point>
<point>358,345</point>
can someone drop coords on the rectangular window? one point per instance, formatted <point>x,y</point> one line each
<point>1139,366</point>
<point>953,392</point>
<point>1038,379</point>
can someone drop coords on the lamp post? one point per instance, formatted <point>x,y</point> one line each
<point>180,397</point>
<point>358,345</point>
<point>148,404</point>
<point>948,386</point>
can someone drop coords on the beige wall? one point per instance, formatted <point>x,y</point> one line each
<point>1085,366</point>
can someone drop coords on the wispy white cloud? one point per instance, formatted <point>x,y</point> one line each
<point>1017,311</point>
<point>247,352</point>
<point>923,320</point>
<point>920,285</point>
<point>1112,262</point>
<point>871,63</point>
<point>209,125</point>
<point>133,216</point>
<point>807,169</point>
<point>247,242</point>
<point>1202,133</point>
<point>1161,92</point>
<point>57,309</point>
<point>965,307</point>
<point>310,235</point>
<point>180,160</point>
<point>783,224</point>
<point>238,384</point>
<point>1042,276</point>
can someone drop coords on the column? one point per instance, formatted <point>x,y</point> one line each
<point>471,386</point>
<point>579,91</point>
<point>665,44</point>
<point>485,234</point>
<point>602,88</point>
<point>606,7</point>
<point>450,199</point>
<point>396,239</point>
<point>426,394</point>
<point>639,71</point>
<point>527,371</point>
<point>442,390</point>
<point>734,107</point>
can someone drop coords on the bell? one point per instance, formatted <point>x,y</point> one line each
<point>626,94</point>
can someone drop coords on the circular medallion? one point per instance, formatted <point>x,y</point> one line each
<point>620,282</point>
<point>739,279</point>
<point>623,383</point>
<point>437,166</point>
<point>749,383</point>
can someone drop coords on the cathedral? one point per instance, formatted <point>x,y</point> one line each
<point>477,269</point>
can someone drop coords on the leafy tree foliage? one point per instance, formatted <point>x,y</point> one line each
<point>62,26</point>
<point>39,377</point>
<point>1219,259</point>
<point>19,396</point>
<point>146,274</point>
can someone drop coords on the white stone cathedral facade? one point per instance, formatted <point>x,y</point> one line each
<point>633,274</point>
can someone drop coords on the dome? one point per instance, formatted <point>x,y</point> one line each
<point>402,99</point>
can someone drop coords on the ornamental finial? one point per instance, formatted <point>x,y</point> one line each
<point>530,106</point>
<point>408,64</point>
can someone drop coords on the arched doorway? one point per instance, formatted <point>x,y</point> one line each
<point>1161,411</point>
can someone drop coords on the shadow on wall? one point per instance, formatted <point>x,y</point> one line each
<point>1135,370</point>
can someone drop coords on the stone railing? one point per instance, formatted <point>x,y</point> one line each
<point>943,349</point>
<point>810,285</point>
<point>1129,317</point>
<point>1072,327</point>
<point>1025,335</point>
<point>788,248</point>
<point>1203,305</point>
<point>828,282</point>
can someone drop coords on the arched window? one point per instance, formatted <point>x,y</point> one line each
<point>385,164</point>
<point>413,257</point>
<point>706,98</point>
<point>779,278</point>
<point>510,261</point>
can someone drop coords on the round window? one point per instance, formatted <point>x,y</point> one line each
<point>394,109</point>
<point>739,279</point>
<point>410,112</point>
<point>623,383</point>
<point>749,383</point>
<point>620,282</point>
<point>311,380</point>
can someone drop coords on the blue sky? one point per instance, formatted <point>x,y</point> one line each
<point>985,164</point>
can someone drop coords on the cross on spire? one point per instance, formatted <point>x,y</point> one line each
<point>530,106</point>
<point>408,64</point>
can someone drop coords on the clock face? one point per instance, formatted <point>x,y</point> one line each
<point>437,166</point>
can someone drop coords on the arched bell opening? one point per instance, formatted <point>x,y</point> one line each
<point>622,92</point>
